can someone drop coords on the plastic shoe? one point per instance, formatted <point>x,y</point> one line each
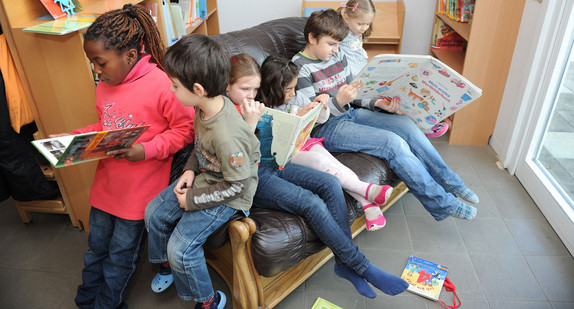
<point>438,130</point>
<point>162,280</point>
<point>384,195</point>
<point>377,224</point>
<point>219,301</point>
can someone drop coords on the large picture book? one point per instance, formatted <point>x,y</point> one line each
<point>282,134</point>
<point>428,90</point>
<point>425,278</point>
<point>321,303</point>
<point>64,25</point>
<point>79,148</point>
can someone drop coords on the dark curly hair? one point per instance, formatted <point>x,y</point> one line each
<point>276,73</point>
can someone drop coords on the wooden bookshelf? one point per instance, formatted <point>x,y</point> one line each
<point>490,36</point>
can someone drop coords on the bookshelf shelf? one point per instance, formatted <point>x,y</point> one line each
<point>490,36</point>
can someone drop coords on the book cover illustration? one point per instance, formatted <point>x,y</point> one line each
<point>64,25</point>
<point>446,38</point>
<point>425,278</point>
<point>74,149</point>
<point>282,134</point>
<point>62,8</point>
<point>321,303</point>
<point>428,90</point>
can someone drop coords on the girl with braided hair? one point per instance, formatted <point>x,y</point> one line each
<point>126,51</point>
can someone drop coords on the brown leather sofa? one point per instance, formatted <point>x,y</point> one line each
<point>265,257</point>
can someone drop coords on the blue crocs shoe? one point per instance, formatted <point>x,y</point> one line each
<point>162,280</point>
<point>219,301</point>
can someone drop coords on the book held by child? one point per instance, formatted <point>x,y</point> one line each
<point>428,90</point>
<point>282,134</point>
<point>79,148</point>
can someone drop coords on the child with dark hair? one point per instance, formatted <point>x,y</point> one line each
<point>133,91</point>
<point>386,135</point>
<point>219,179</point>
<point>279,78</point>
<point>314,195</point>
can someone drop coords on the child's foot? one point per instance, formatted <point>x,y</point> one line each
<point>463,211</point>
<point>438,130</point>
<point>216,302</point>
<point>469,196</point>
<point>387,283</point>
<point>359,283</point>
<point>374,217</point>
<point>378,194</point>
<point>163,279</point>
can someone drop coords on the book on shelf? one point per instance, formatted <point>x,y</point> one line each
<point>281,134</point>
<point>425,278</point>
<point>459,10</point>
<point>64,25</point>
<point>445,38</point>
<point>427,89</point>
<point>321,303</point>
<point>79,148</point>
<point>60,8</point>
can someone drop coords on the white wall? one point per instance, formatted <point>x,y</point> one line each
<point>237,15</point>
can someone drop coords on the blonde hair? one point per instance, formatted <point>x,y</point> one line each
<point>355,8</point>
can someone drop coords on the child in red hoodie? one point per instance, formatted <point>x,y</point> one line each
<point>133,91</point>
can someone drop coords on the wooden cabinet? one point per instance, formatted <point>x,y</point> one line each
<point>491,37</point>
<point>58,81</point>
<point>209,26</point>
<point>387,26</point>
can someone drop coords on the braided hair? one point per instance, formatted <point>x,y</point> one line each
<point>127,28</point>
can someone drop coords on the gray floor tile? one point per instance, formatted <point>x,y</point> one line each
<point>431,236</point>
<point>554,273</point>
<point>514,203</point>
<point>405,300</point>
<point>536,237</point>
<point>394,236</point>
<point>346,301</point>
<point>486,207</point>
<point>487,235</point>
<point>520,305</point>
<point>507,277</point>
<point>294,300</point>
<point>562,305</point>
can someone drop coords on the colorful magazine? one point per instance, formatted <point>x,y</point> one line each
<point>428,90</point>
<point>282,134</point>
<point>425,278</point>
<point>65,25</point>
<point>79,148</point>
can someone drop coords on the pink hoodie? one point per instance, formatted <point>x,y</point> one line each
<point>124,188</point>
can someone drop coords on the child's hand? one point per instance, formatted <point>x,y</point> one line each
<point>133,154</point>
<point>58,135</point>
<point>348,93</point>
<point>323,99</point>
<point>183,184</point>
<point>390,106</point>
<point>307,108</point>
<point>251,111</point>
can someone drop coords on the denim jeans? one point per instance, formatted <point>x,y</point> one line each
<point>115,246</point>
<point>318,198</point>
<point>178,236</point>
<point>398,140</point>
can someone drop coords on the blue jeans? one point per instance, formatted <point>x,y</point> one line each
<point>178,236</point>
<point>110,263</point>
<point>398,140</point>
<point>318,198</point>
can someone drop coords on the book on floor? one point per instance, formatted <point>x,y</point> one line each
<point>321,303</point>
<point>428,90</point>
<point>79,148</point>
<point>425,278</point>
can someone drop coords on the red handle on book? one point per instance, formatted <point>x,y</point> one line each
<point>449,286</point>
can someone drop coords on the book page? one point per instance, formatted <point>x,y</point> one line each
<point>427,89</point>
<point>53,148</point>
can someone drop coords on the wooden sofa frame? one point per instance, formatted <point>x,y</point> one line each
<point>234,263</point>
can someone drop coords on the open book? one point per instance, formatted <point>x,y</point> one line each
<point>429,90</point>
<point>425,278</point>
<point>282,134</point>
<point>78,148</point>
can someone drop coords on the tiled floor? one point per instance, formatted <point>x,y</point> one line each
<point>507,257</point>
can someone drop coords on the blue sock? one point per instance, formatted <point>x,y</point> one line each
<point>464,211</point>
<point>387,283</point>
<point>359,283</point>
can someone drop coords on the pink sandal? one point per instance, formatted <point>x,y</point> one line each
<point>377,224</point>
<point>383,197</point>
